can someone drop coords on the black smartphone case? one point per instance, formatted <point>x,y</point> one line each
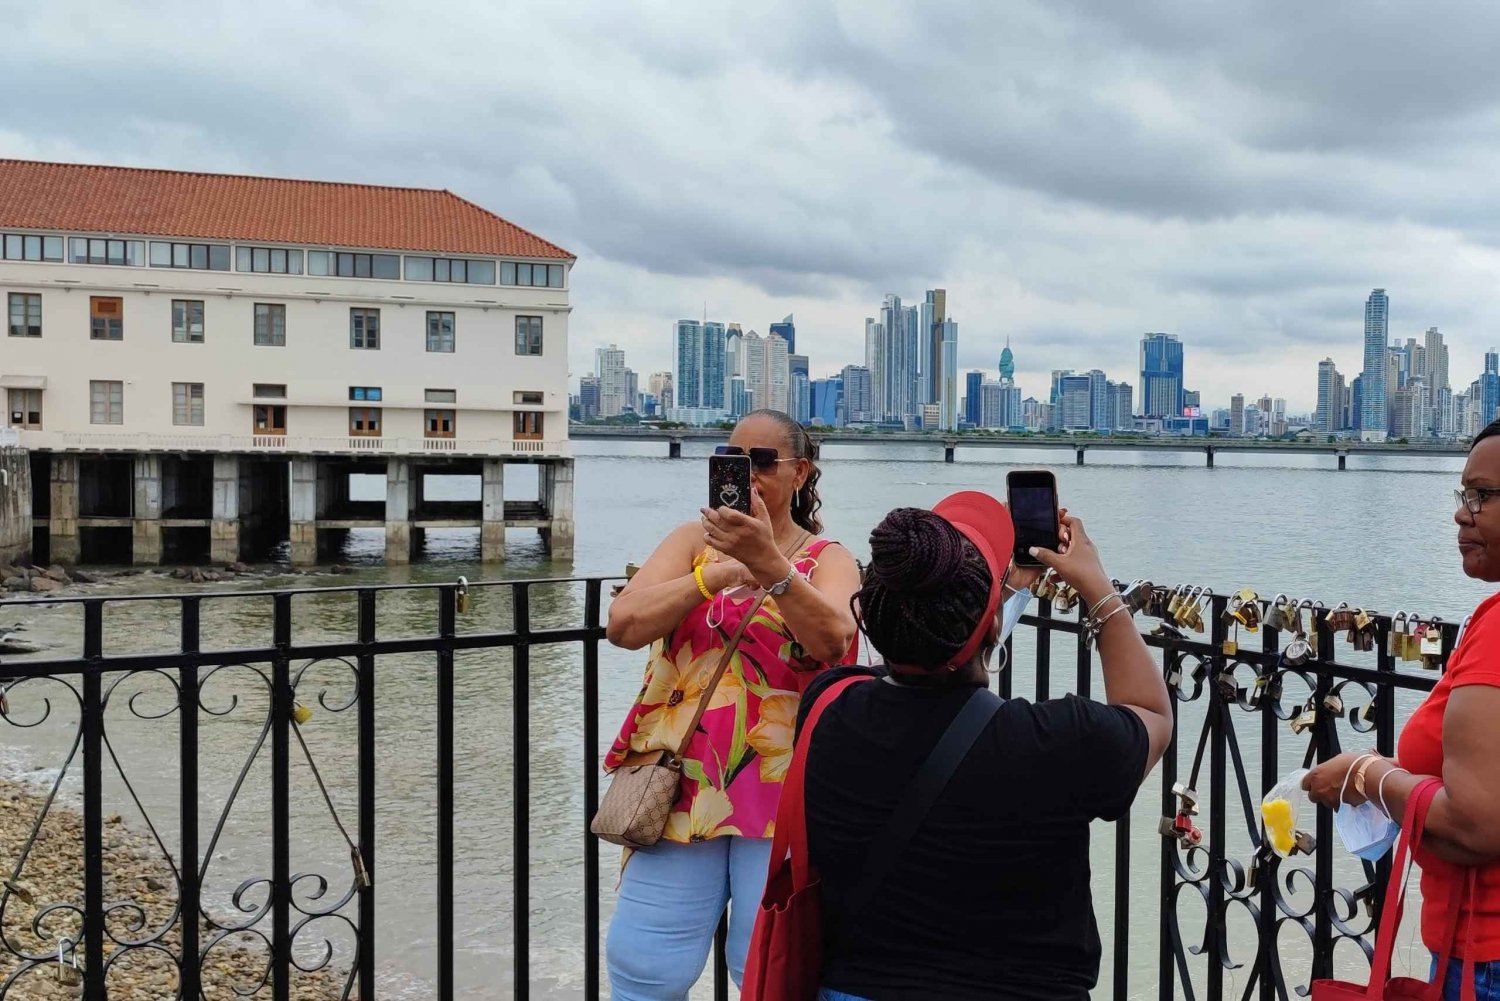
<point>729,482</point>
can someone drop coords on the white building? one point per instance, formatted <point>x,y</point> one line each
<point>615,396</point>
<point>163,312</point>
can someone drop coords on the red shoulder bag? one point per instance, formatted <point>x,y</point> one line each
<point>1382,986</point>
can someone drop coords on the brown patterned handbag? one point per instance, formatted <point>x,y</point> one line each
<point>635,808</point>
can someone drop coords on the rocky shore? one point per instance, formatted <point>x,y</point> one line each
<point>55,578</point>
<point>134,872</point>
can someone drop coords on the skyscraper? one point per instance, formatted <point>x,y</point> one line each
<point>1435,372</point>
<point>1007,363</point>
<point>1121,406</point>
<point>1489,388</point>
<point>874,365</point>
<point>1237,413</point>
<point>787,331</point>
<point>934,332</point>
<point>1074,402</point>
<point>1330,398</point>
<point>828,401</point>
<point>1099,415</point>
<point>1373,414</point>
<point>1161,376</point>
<point>698,365</point>
<point>947,400</point>
<point>973,382</point>
<point>588,397</point>
<point>799,398</point>
<point>859,393</point>
<point>614,388</point>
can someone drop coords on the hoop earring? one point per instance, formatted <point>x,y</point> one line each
<point>1002,665</point>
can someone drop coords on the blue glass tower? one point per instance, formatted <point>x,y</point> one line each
<point>1161,376</point>
<point>1372,406</point>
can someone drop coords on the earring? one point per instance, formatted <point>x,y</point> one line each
<point>1004,658</point>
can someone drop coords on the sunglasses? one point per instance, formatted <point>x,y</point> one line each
<point>762,459</point>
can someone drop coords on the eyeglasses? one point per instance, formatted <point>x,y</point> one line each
<point>1473,498</point>
<point>762,459</point>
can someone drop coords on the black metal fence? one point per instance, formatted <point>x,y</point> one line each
<point>1297,910</point>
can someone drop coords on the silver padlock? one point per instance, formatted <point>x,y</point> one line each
<point>463,595</point>
<point>67,974</point>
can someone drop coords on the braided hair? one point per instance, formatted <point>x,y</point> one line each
<point>805,502</point>
<point>924,591</point>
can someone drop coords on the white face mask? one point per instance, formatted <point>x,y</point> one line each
<point>1365,831</point>
<point>1011,611</point>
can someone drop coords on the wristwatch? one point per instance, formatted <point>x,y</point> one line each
<point>779,588</point>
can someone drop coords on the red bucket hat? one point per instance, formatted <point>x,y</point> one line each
<point>986,523</point>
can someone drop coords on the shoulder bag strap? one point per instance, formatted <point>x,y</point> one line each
<point>921,794</point>
<point>724,659</point>
<point>1417,805</point>
<point>791,809</point>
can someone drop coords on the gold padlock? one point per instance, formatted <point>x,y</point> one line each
<point>1304,721</point>
<point>301,713</point>
<point>361,874</point>
<point>1245,607</point>
<point>463,595</point>
<point>1231,647</point>
<point>1395,641</point>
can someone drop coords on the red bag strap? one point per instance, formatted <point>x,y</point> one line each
<point>1417,806</point>
<point>791,811</point>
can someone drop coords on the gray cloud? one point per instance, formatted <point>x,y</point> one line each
<point>1075,173</point>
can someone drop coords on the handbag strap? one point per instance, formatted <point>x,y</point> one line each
<point>791,810</point>
<point>1412,825</point>
<point>920,795</point>
<point>724,659</point>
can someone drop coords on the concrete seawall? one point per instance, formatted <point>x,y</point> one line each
<point>15,504</point>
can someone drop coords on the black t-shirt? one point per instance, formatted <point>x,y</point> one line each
<point>991,898</point>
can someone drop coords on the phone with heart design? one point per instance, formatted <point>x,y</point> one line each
<point>729,482</point>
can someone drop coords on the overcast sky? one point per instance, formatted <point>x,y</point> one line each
<point>1074,173</point>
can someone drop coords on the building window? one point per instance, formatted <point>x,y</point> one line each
<point>187,321</point>
<point>25,314</point>
<point>93,251</point>
<point>187,403</point>
<point>337,264</point>
<point>268,391</point>
<point>106,402</point>
<point>25,407</point>
<point>535,275</point>
<point>440,332</point>
<point>364,329</point>
<point>194,256</point>
<point>364,422</point>
<point>528,335</point>
<point>270,324</point>
<point>268,260</point>
<point>527,396</point>
<point>270,419</point>
<point>20,247</point>
<point>106,318</point>
<point>440,423</point>
<point>365,394</point>
<point>450,269</point>
<point>441,396</point>
<point>528,424</point>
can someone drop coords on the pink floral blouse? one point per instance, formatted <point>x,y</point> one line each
<point>735,763</point>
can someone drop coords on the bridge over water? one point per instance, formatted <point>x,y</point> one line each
<point>951,443</point>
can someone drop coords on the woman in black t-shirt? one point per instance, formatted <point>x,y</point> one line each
<point>990,898</point>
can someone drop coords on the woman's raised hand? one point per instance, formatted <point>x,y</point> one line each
<point>746,538</point>
<point>1076,560</point>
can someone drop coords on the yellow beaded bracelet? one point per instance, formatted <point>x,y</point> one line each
<point>702,587</point>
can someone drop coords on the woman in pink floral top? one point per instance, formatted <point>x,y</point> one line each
<point>717,843</point>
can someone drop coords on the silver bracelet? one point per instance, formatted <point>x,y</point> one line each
<point>1100,604</point>
<point>1093,627</point>
<point>1380,789</point>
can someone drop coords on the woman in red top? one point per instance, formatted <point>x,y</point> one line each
<point>1454,735</point>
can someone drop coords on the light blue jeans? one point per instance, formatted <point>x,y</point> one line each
<point>671,897</point>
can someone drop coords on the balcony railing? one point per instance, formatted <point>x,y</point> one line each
<point>91,441</point>
<point>1210,913</point>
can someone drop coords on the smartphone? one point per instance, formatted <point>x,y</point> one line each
<point>729,482</point>
<point>1032,499</point>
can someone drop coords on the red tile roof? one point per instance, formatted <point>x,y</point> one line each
<point>129,200</point>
